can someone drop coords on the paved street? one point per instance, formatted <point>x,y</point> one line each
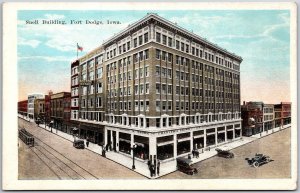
<point>276,145</point>
<point>55,158</point>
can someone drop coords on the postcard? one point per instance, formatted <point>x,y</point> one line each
<point>143,96</point>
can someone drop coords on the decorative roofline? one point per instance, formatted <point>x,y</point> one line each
<point>153,16</point>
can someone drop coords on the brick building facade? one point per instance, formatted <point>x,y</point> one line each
<point>22,107</point>
<point>160,87</point>
<point>259,117</point>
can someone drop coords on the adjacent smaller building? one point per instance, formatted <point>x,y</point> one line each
<point>282,113</point>
<point>39,109</point>
<point>22,107</point>
<point>30,104</point>
<point>61,111</point>
<point>259,117</point>
<point>252,115</point>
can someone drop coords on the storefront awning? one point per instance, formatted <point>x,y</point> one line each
<point>165,143</point>
<point>208,134</point>
<point>198,136</point>
<point>125,140</point>
<point>183,139</point>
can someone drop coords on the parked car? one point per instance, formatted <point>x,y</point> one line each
<point>79,144</point>
<point>224,153</point>
<point>184,165</point>
<point>258,160</point>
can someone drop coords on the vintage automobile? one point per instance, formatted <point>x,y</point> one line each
<point>224,153</point>
<point>79,144</point>
<point>184,165</point>
<point>258,160</point>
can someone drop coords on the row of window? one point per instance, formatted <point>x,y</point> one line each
<point>194,64</point>
<point>90,89</point>
<point>168,41</point>
<point>126,106</point>
<point>125,47</point>
<point>167,121</point>
<point>90,102</point>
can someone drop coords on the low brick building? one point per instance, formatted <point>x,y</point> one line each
<point>259,117</point>
<point>22,107</point>
<point>60,110</point>
<point>252,115</point>
<point>39,109</point>
<point>282,114</point>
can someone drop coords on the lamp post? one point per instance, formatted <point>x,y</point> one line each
<point>133,151</point>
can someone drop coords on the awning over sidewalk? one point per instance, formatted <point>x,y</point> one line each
<point>165,143</point>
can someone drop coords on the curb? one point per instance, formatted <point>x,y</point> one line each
<point>90,150</point>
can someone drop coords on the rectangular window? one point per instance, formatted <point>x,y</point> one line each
<point>164,105</point>
<point>169,57</point>
<point>146,37</point>
<point>169,89</point>
<point>157,54</point>
<point>157,105</point>
<point>164,39</point>
<point>187,50</point>
<point>169,41</point>
<point>146,71</point>
<point>140,40</point>
<point>182,46</point>
<point>135,42</point>
<point>128,45</point>
<point>163,72</point>
<point>157,70</point>
<point>157,37</point>
<point>163,55</point>
<point>147,88</point>
<point>124,47</point>
<point>177,75</point>
<point>157,88</point>
<point>177,44</point>
<point>177,90</point>
<point>146,54</point>
<point>169,73</point>
<point>164,88</point>
<point>141,89</point>
<point>177,105</point>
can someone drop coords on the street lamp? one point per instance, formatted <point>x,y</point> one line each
<point>133,151</point>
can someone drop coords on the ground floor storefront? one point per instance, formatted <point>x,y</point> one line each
<point>163,146</point>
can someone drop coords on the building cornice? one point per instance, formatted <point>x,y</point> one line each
<point>154,18</point>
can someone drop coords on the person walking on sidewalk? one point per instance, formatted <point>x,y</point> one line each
<point>87,142</point>
<point>158,166</point>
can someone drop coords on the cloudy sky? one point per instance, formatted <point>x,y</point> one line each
<point>261,38</point>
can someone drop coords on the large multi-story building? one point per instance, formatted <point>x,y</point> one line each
<point>160,87</point>
<point>30,108</point>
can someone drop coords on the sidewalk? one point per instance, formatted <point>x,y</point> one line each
<point>165,167</point>
<point>271,131</point>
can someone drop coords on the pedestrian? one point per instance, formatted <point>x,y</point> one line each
<point>149,163</point>
<point>87,142</point>
<point>152,170</point>
<point>193,152</point>
<point>103,151</point>
<point>158,166</point>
